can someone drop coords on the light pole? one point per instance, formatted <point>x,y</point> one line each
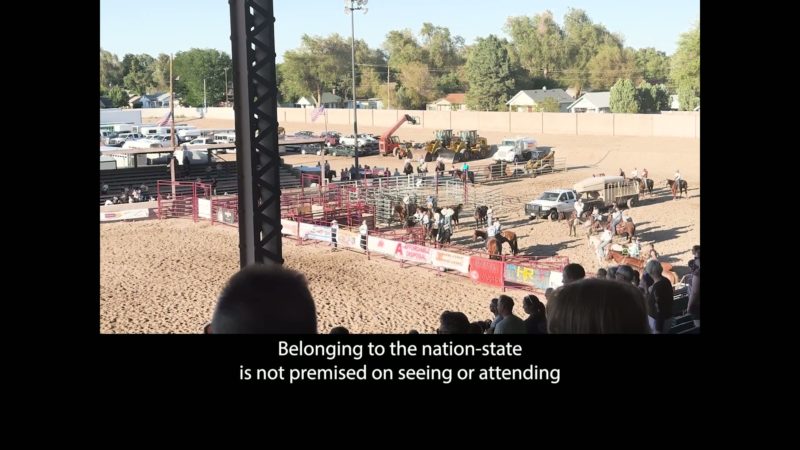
<point>172,129</point>
<point>226,86</point>
<point>349,7</point>
<point>205,105</point>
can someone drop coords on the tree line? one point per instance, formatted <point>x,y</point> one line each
<point>411,70</point>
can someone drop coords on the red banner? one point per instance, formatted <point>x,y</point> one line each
<point>486,271</point>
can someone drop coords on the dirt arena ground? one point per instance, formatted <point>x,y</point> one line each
<point>163,277</point>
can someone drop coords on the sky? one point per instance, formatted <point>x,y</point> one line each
<point>179,25</point>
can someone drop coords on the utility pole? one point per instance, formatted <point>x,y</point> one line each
<point>388,91</point>
<point>172,129</point>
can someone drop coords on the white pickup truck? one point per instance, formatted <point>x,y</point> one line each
<point>551,203</point>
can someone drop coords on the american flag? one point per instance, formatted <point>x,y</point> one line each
<point>317,112</point>
<point>166,120</point>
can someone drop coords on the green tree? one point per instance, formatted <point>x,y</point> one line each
<point>687,98</point>
<point>110,70</point>
<point>489,74</point>
<point>685,72</point>
<point>549,104</point>
<point>652,64</point>
<point>610,64</point>
<point>583,39</point>
<point>160,70</point>
<point>662,98</point>
<point>118,97</point>
<point>322,64</point>
<point>193,67</point>
<point>646,98</point>
<point>419,86</point>
<point>137,72</point>
<point>539,42</point>
<point>623,97</point>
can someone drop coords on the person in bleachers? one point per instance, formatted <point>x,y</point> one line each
<point>536,323</point>
<point>601,274</point>
<point>573,272</point>
<point>624,273</point>
<point>593,306</point>
<point>694,290</point>
<point>660,296</point>
<point>453,322</point>
<point>510,324</point>
<point>265,299</point>
<point>339,330</point>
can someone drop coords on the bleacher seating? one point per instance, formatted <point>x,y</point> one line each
<point>226,175</point>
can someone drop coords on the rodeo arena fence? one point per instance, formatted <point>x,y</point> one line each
<point>307,215</point>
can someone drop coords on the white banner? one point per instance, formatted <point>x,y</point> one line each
<point>129,214</point>
<point>348,239</point>
<point>555,279</point>
<point>452,261</point>
<point>384,246</point>
<point>204,208</point>
<point>416,253</point>
<point>288,227</point>
<point>316,232</point>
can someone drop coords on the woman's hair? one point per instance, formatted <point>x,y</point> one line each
<point>653,267</point>
<point>593,306</point>
<point>535,305</point>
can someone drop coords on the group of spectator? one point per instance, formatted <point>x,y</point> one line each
<point>128,194</point>
<point>274,299</point>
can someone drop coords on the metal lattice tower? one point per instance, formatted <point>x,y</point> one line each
<point>255,109</point>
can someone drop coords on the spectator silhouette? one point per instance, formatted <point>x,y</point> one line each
<point>265,299</point>
<point>453,322</point>
<point>536,323</point>
<point>339,330</point>
<point>510,324</point>
<point>595,306</point>
<point>573,272</point>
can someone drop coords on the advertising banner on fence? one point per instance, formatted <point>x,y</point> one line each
<point>452,261</point>
<point>383,246</point>
<point>225,215</point>
<point>538,278</point>
<point>124,215</point>
<point>486,271</point>
<point>348,239</point>
<point>316,232</point>
<point>556,279</point>
<point>416,253</point>
<point>288,227</point>
<point>204,208</point>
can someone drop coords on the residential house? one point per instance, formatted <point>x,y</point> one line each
<point>451,102</point>
<point>105,102</point>
<point>573,92</point>
<point>135,101</point>
<point>370,103</point>
<point>155,101</point>
<point>596,102</point>
<point>527,100</point>
<point>328,100</point>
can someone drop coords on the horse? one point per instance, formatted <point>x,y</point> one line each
<point>402,213</point>
<point>480,215</point>
<point>639,264</point>
<point>511,238</point>
<point>408,169</point>
<point>628,228</point>
<point>645,184</point>
<point>677,190</point>
<point>440,168</point>
<point>494,248</point>
<point>456,211</point>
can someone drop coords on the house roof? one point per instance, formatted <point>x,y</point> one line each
<point>134,98</point>
<point>533,96</point>
<point>327,97</point>
<point>305,101</point>
<point>573,92</point>
<point>593,100</point>
<point>150,97</point>
<point>454,98</point>
<point>105,102</point>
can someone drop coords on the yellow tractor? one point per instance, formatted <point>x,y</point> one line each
<point>472,146</point>
<point>439,146</point>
